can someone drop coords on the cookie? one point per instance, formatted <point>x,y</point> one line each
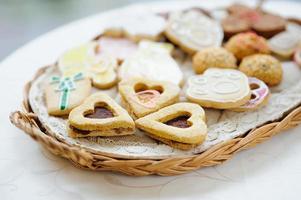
<point>264,67</point>
<point>152,61</point>
<point>219,88</point>
<point>62,94</point>
<point>297,56</point>
<point>237,8</point>
<point>259,97</point>
<point>233,25</point>
<point>141,96</point>
<point>193,31</point>
<point>284,44</point>
<point>136,26</point>
<point>213,57</point>
<point>245,44</point>
<point>269,25</point>
<point>117,47</point>
<point>101,69</point>
<point>99,115</point>
<point>181,125</point>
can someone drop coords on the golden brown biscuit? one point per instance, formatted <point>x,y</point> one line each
<point>219,88</point>
<point>181,125</point>
<point>264,67</point>
<point>213,57</point>
<point>62,94</point>
<point>99,115</point>
<point>142,96</point>
<point>245,44</point>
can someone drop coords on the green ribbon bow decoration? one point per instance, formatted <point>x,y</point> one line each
<point>65,86</point>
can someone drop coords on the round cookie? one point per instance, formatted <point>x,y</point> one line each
<point>245,44</point>
<point>269,25</point>
<point>193,31</point>
<point>264,67</point>
<point>213,57</point>
<point>219,88</point>
<point>259,97</point>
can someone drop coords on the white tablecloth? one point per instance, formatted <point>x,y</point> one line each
<point>271,170</point>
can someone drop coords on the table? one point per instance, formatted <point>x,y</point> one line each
<point>270,170</point>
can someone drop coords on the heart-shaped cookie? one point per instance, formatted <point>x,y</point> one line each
<point>181,125</point>
<point>100,115</point>
<point>142,96</point>
<point>219,88</point>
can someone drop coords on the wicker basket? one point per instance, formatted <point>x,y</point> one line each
<point>29,123</point>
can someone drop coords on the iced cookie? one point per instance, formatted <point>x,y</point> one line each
<point>297,56</point>
<point>62,94</point>
<point>83,59</point>
<point>193,31</point>
<point>245,44</point>
<point>259,97</point>
<point>284,44</point>
<point>137,26</point>
<point>219,88</point>
<point>141,96</point>
<point>181,125</point>
<point>117,47</point>
<point>99,115</point>
<point>152,61</point>
<point>264,67</point>
<point>213,57</point>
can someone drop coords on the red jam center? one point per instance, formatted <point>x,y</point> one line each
<point>100,113</point>
<point>180,122</point>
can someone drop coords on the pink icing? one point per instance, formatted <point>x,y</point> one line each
<point>119,48</point>
<point>260,93</point>
<point>147,98</point>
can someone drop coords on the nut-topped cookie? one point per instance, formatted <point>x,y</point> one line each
<point>213,57</point>
<point>193,31</point>
<point>219,88</point>
<point>264,67</point>
<point>181,125</point>
<point>99,115</point>
<point>142,96</point>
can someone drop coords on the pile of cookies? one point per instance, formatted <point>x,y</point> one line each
<point>235,60</point>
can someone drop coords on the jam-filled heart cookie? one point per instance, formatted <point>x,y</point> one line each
<point>152,61</point>
<point>142,96</point>
<point>284,44</point>
<point>83,59</point>
<point>118,47</point>
<point>62,94</point>
<point>193,31</point>
<point>181,125</point>
<point>259,97</point>
<point>219,88</point>
<point>137,26</point>
<point>99,115</point>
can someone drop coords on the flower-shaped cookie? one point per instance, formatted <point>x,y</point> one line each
<point>219,88</point>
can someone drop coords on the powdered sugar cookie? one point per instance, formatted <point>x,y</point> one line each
<point>193,31</point>
<point>259,97</point>
<point>219,88</point>
<point>152,61</point>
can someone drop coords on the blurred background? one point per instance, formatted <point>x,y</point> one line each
<point>24,20</point>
